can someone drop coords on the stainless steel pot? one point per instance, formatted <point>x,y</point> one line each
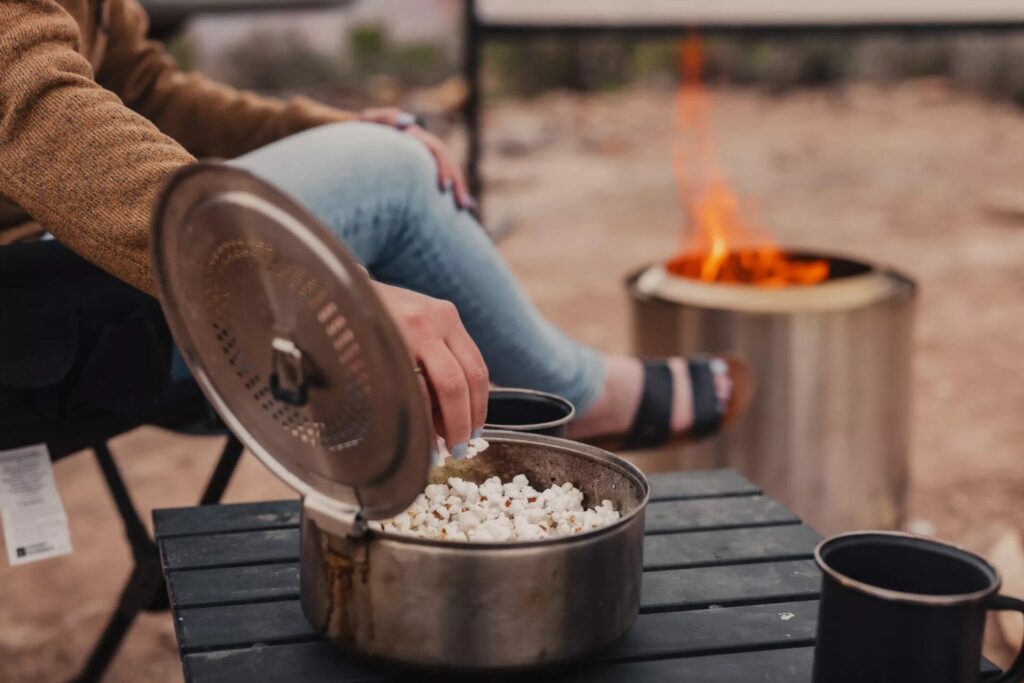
<point>485,607</point>
<point>287,338</point>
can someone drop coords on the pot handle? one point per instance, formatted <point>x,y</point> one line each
<point>333,516</point>
<point>1015,674</point>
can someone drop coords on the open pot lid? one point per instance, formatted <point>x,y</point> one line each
<point>289,342</point>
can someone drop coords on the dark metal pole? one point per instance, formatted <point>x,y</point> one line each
<point>144,585</point>
<point>221,476</point>
<point>134,529</point>
<point>471,108</point>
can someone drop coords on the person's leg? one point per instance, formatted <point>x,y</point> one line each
<point>376,189</point>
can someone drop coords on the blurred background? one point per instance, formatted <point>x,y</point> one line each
<point>897,147</point>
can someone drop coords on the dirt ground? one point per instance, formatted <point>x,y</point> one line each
<point>915,176</point>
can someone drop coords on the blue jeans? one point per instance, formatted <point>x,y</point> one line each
<point>376,189</point>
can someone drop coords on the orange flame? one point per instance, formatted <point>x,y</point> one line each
<point>722,246</point>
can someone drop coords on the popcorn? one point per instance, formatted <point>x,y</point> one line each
<point>474,447</point>
<point>497,512</point>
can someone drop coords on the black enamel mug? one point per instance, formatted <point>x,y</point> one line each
<point>901,608</point>
<point>525,410</point>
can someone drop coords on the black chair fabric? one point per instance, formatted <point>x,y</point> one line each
<point>75,343</point>
<point>84,358</point>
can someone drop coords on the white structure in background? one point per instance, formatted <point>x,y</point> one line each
<point>621,13</point>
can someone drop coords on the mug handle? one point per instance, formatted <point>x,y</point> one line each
<point>1015,674</point>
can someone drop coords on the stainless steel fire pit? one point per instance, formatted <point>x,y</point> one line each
<point>288,340</point>
<point>827,432</point>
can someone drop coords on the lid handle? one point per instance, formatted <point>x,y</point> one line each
<point>288,378</point>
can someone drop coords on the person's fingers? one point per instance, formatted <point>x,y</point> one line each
<point>450,390</point>
<point>460,188</point>
<point>428,401</point>
<point>433,403</point>
<point>449,171</point>
<point>424,138</point>
<point>474,368</point>
<point>444,171</point>
<point>449,175</point>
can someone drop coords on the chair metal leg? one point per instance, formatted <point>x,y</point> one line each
<point>471,50</point>
<point>221,476</point>
<point>134,529</point>
<point>145,589</point>
<point>145,581</point>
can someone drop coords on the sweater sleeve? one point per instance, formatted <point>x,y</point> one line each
<point>71,154</point>
<point>208,118</point>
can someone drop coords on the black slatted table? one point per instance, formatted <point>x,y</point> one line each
<point>729,592</point>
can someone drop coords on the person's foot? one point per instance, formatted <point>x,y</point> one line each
<point>647,403</point>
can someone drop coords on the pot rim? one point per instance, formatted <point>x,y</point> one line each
<point>906,597</point>
<point>610,459</point>
<point>518,392</point>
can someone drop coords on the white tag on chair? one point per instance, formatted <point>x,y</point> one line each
<point>34,521</point>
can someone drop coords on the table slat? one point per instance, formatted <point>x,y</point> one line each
<point>669,634</point>
<point>238,625</point>
<point>705,631</point>
<point>791,665</point>
<point>704,548</point>
<point>217,519</point>
<point>700,484</point>
<point>766,582</point>
<point>233,585</point>
<point>260,582</point>
<point>282,545</point>
<point>246,547</point>
<point>317,662</point>
<point>322,663</point>
<point>233,626</point>
<point>686,515</point>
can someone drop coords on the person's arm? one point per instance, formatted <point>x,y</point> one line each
<point>71,154</point>
<point>207,118</point>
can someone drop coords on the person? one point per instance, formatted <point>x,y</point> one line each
<point>94,117</point>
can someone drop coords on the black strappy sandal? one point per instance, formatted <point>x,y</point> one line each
<point>652,424</point>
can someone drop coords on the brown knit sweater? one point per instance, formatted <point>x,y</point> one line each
<point>93,118</point>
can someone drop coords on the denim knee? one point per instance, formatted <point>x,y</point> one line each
<point>382,155</point>
<point>373,186</point>
<point>400,175</point>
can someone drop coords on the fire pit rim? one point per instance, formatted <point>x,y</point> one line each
<point>878,284</point>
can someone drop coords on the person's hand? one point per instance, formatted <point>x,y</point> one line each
<point>455,372</point>
<point>449,175</point>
